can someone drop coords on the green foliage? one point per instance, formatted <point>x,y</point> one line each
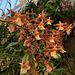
<point>52,8</point>
<point>57,72</point>
<point>11,44</point>
<point>10,52</point>
<point>26,55</point>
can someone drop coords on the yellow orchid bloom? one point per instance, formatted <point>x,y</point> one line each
<point>68,30</point>
<point>52,40</point>
<point>61,28</point>
<point>41,26</point>
<point>53,53</point>
<point>49,21</point>
<point>36,34</point>
<point>37,37</point>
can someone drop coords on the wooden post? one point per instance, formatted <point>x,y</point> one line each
<point>73,8</point>
<point>73,5</point>
<point>69,44</point>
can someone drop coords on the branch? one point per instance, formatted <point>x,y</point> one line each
<point>13,23</point>
<point>15,3</point>
<point>12,9</point>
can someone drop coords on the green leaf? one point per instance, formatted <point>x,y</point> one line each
<point>25,56</point>
<point>60,69</point>
<point>74,59</point>
<point>51,1</point>
<point>22,47</point>
<point>67,73</point>
<point>41,73</point>
<point>11,44</point>
<point>59,57</point>
<point>53,8</point>
<point>57,72</point>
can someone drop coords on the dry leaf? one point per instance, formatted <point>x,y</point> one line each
<point>18,21</point>
<point>3,41</point>
<point>35,2</point>
<point>11,28</point>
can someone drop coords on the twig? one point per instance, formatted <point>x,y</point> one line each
<point>57,64</point>
<point>15,3</point>
<point>5,6</point>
